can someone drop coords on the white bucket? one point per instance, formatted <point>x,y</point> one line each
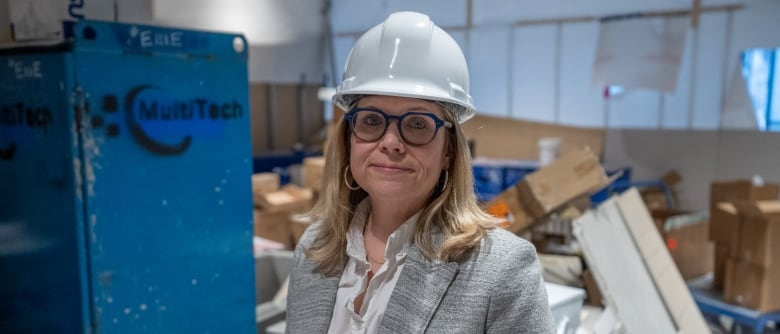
<point>549,150</point>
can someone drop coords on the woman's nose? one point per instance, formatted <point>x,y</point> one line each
<point>392,139</point>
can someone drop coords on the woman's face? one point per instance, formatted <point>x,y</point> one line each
<point>391,169</point>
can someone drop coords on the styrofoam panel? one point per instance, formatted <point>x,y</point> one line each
<point>684,304</point>
<point>579,103</point>
<point>638,109</point>
<point>676,106</point>
<point>489,61</point>
<point>652,260</point>
<point>533,73</point>
<point>708,72</point>
<point>620,271</point>
<point>650,244</point>
<point>659,264</point>
<point>668,283</point>
<point>445,13</point>
<point>356,16</point>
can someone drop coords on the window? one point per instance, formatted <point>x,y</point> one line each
<point>761,69</point>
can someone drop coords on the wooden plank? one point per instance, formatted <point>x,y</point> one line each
<point>312,111</point>
<point>285,117</point>
<point>258,104</point>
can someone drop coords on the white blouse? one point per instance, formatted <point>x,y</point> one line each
<point>353,280</point>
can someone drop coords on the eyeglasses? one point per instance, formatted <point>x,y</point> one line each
<point>416,128</point>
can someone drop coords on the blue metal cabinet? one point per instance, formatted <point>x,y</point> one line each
<point>125,197</point>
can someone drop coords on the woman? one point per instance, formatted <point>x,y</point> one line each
<point>401,245</point>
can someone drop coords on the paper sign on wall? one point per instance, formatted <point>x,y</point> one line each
<point>636,52</point>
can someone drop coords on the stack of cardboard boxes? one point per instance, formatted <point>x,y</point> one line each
<point>685,233</point>
<point>745,226</point>
<point>560,190</point>
<point>548,190</point>
<point>276,209</point>
<point>687,240</point>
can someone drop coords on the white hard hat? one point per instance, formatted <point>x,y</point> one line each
<point>407,56</point>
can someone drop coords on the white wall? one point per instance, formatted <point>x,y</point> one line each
<point>542,72</point>
<point>701,157</point>
<point>286,37</point>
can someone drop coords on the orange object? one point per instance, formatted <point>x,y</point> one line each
<point>671,243</point>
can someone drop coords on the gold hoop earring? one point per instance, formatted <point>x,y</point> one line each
<point>446,178</point>
<point>348,182</point>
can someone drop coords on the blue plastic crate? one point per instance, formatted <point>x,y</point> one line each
<point>514,172</point>
<point>617,185</point>
<point>493,176</point>
<point>488,179</point>
<point>280,163</point>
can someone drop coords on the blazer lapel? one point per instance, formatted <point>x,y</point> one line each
<point>417,294</point>
<point>319,296</point>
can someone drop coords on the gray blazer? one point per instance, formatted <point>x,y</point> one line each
<point>498,289</point>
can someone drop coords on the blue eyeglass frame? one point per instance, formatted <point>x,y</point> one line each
<point>350,118</point>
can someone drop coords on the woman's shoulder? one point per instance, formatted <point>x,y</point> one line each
<point>309,235</point>
<point>501,240</point>
<point>500,246</point>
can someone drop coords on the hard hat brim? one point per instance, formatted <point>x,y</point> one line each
<point>392,87</point>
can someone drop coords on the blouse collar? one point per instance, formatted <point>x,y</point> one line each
<point>397,243</point>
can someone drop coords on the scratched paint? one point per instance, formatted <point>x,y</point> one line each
<point>77,178</point>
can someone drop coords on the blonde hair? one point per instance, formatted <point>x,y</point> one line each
<point>452,210</point>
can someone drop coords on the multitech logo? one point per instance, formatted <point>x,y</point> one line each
<point>22,119</point>
<point>164,123</point>
<point>18,123</point>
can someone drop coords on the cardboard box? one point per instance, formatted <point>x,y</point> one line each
<point>43,20</point>
<point>655,199</point>
<point>506,138</point>
<point>273,226</point>
<point>285,199</point>
<point>263,183</point>
<point>572,175</point>
<point>759,235</point>
<point>313,170</point>
<point>720,256</point>
<point>728,191</point>
<point>752,285</point>
<point>661,215</point>
<point>591,289</point>
<point>724,224</point>
<point>274,218</point>
<point>663,197</point>
<point>688,245</point>
<point>507,206</point>
<point>690,249</point>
